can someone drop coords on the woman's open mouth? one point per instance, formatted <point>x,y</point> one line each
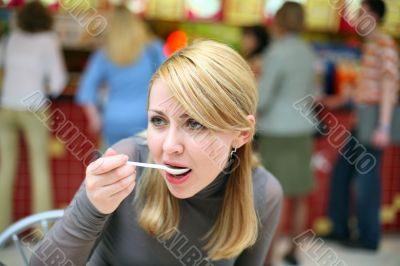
<point>179,178</point>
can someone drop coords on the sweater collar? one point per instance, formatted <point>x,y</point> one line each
<point>217,187</point>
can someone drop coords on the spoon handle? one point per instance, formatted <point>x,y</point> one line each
<point>149,165</point>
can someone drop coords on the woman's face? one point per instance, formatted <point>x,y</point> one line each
<point>176,139</point>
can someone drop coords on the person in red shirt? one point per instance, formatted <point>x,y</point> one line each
<point>375,96</point>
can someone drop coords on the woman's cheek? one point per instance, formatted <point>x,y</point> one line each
<point>155,142</point>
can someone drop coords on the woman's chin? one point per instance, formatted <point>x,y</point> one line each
<point>181,193</point>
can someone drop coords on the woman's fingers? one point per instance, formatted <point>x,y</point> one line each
<point>117,176</point>
<point>115,188</point>
<point>123,193</point>
<point>109,180</point>
<point>111,177</point>
<point>106,164</point>
<point>119,186</point>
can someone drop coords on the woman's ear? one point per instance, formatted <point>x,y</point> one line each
<point>247,135</point>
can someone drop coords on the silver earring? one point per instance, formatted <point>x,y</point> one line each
<point>233,152</point>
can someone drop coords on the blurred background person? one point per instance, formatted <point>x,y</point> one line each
<point>124,65</point>
<point>254,42</point>
<point>255,39</point>
<point>32,62</point>
<point>285,136</point>
<point>375,99</point>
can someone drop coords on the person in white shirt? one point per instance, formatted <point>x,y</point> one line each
<point>32,63</point>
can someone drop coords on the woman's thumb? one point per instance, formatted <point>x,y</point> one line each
<point>109,152</point>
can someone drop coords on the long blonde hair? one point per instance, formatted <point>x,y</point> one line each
<point>126,36</point>
<point>216,87</point>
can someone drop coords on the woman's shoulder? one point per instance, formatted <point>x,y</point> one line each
<point>135,147</point>
<point>267,190</point>
<point>100,55</point>
<point>156,43</point>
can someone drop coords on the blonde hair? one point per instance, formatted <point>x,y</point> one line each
<point>216,87</point>
<point>290,17</point>
<point>126,36</point>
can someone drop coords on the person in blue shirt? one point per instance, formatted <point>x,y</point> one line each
<point>124,67</point>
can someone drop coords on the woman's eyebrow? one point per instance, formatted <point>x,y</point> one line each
<point>182,116</point>
<point>157,111</point>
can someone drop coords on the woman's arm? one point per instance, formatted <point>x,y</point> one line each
<point>55,67</point>
<point>94,118</point>
<point>73,237</point>
<point>91,79</point>
<point>87,95</point>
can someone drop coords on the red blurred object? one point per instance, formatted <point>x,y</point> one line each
<point>175,41</point>
<point>54,7</point>
<point>345,26</point>
<point>16,3</point>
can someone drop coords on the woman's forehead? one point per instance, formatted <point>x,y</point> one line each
<point>162,101</point>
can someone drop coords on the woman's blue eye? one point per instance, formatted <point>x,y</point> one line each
<point>194,125</point>
<point>157,121</point>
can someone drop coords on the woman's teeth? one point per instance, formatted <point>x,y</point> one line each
<point>181,174</point>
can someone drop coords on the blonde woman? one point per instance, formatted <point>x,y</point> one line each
<point>222,211</point>
<point>125,65</point>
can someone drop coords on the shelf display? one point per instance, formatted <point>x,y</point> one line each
<point>49,2</point>
<point>272,6</point>
<point>75,33</point>
<point>204,10</point>
<point>238,12</point>
<point>392,21</point>
<point>321,16</point>
<point>73,5</point>
<point>137,6</point>
<point>228,34</point>
<point>166,10</point>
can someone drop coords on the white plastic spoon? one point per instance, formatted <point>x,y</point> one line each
<point>169,169</point>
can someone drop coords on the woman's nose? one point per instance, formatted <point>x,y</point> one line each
<point>173,142</point>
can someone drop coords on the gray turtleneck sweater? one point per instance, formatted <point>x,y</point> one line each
<point>85,236</point>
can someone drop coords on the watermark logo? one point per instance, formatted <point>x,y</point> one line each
<point>65,131</point>
<point>359,18</point>
<point>337,135</point>
<point>47,252</point>
<point>87,17</point>
<point>185,252</point>
<point>315,248</point>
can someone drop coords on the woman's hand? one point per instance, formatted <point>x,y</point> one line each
<point>94,119</point>
<point>109,180</point>
<point>95,124</point>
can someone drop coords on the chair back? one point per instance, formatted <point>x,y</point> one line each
<point>30,222</point>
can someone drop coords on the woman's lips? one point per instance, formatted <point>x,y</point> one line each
<point>175,164</point>
<point>177,179</point>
